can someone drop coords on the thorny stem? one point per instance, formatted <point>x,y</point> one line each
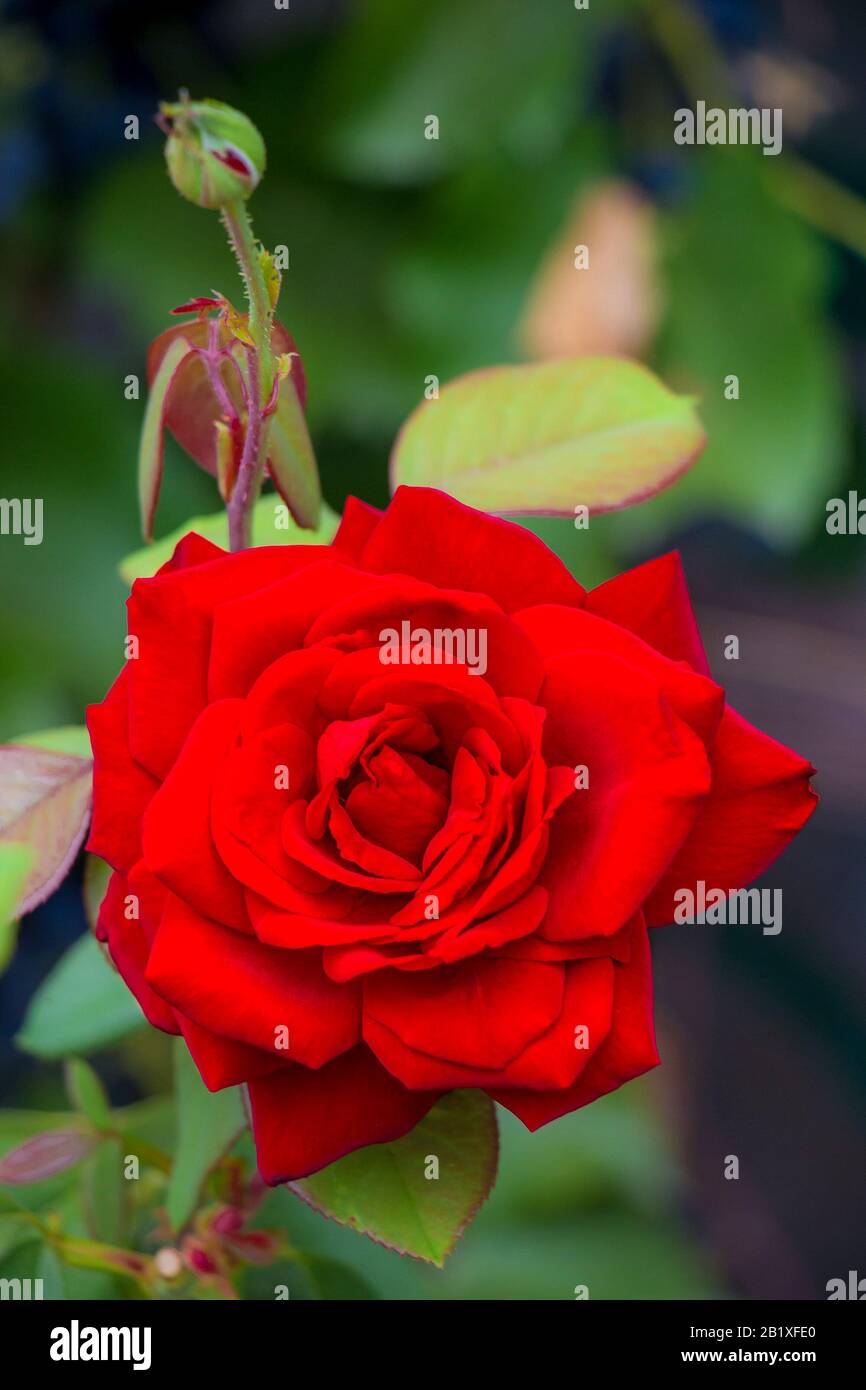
<point>249,480</point>
<point>260,376</point>
<point>239,227</point>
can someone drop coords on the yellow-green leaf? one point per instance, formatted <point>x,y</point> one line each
<point>15,864</point>
<point>150,450</point>
<point>44,803</point>
<point>291,460</point>
<point>543,439</point>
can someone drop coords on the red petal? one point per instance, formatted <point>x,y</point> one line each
<point>629,1049</point>
<point>481,1013</point>
<point>191,549</point>
<point>556,630</point>
<point>122,789</point>
<point>304,1120</point>
<point>176,833</point>
<point>759,799</point>
<point>241,989</point>
<point>221,1061</point>
<point>648,773</point>
<point>548,1060</point>
<point>171,614</point>
<point>255,629</point>
<point>247,812</point>
<point>128,945</point>
<point>168,676</point>
<point>653,601</point>
<point>357,525</point>
<point>426,533</point>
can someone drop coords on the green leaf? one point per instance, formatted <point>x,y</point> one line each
<point>306,1277</point>
<point>331,1279</point>
<point>44,803</point>
<point>71,738</point>
<point>393,63</point>
<point>291,460</point>
<point>15,865</point>
<point>104,1191</point>
<point>271,526</point>
<point>87,1093</point>
<point>208,1124</point>
<point>747,297</point>
<point>541,439</point>
<point>10,1207</point>
<point>82,1005</point>
<point>150,451</point>
<point>21,1261</point>
<point>94,886</point>
<point>50,1270</point>
<point>383,1192</point>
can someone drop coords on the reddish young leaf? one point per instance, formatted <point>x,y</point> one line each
<point>45,1155</point>
<point>192,406</point>
<point>45,803</point>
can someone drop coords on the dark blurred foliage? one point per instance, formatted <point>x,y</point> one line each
<point>411,257</point>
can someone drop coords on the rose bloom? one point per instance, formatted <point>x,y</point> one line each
<point>354,885</point>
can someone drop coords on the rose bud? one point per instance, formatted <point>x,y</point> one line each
<point>214,154</point>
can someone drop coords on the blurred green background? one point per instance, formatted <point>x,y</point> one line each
<point>411,257</point>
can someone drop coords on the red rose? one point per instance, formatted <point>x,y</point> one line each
<point>393,866</point>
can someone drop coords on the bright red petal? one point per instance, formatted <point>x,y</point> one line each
<point>221,1061</point>
<point>628,1051</point>
<point>653,601</point>
<point>648,774</point>
<point>429,534</point>
<point>129,949</point>
<point>242,989</point>
<point>304,1120</point>
<point>122,789</point>
<point>176,833</point>
<point>481,1013</point>
<point>357,525</point>
<point>760,798</point>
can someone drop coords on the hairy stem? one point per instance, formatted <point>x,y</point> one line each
<point>260,377</point>
<point>239,227</point>
<point>249,480</point>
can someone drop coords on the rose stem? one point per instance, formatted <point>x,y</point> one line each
<point>260,376</point>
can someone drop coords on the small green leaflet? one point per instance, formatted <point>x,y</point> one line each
<point>208,1123</point>
<point>82,1005</point>
<point>389,1192</point>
